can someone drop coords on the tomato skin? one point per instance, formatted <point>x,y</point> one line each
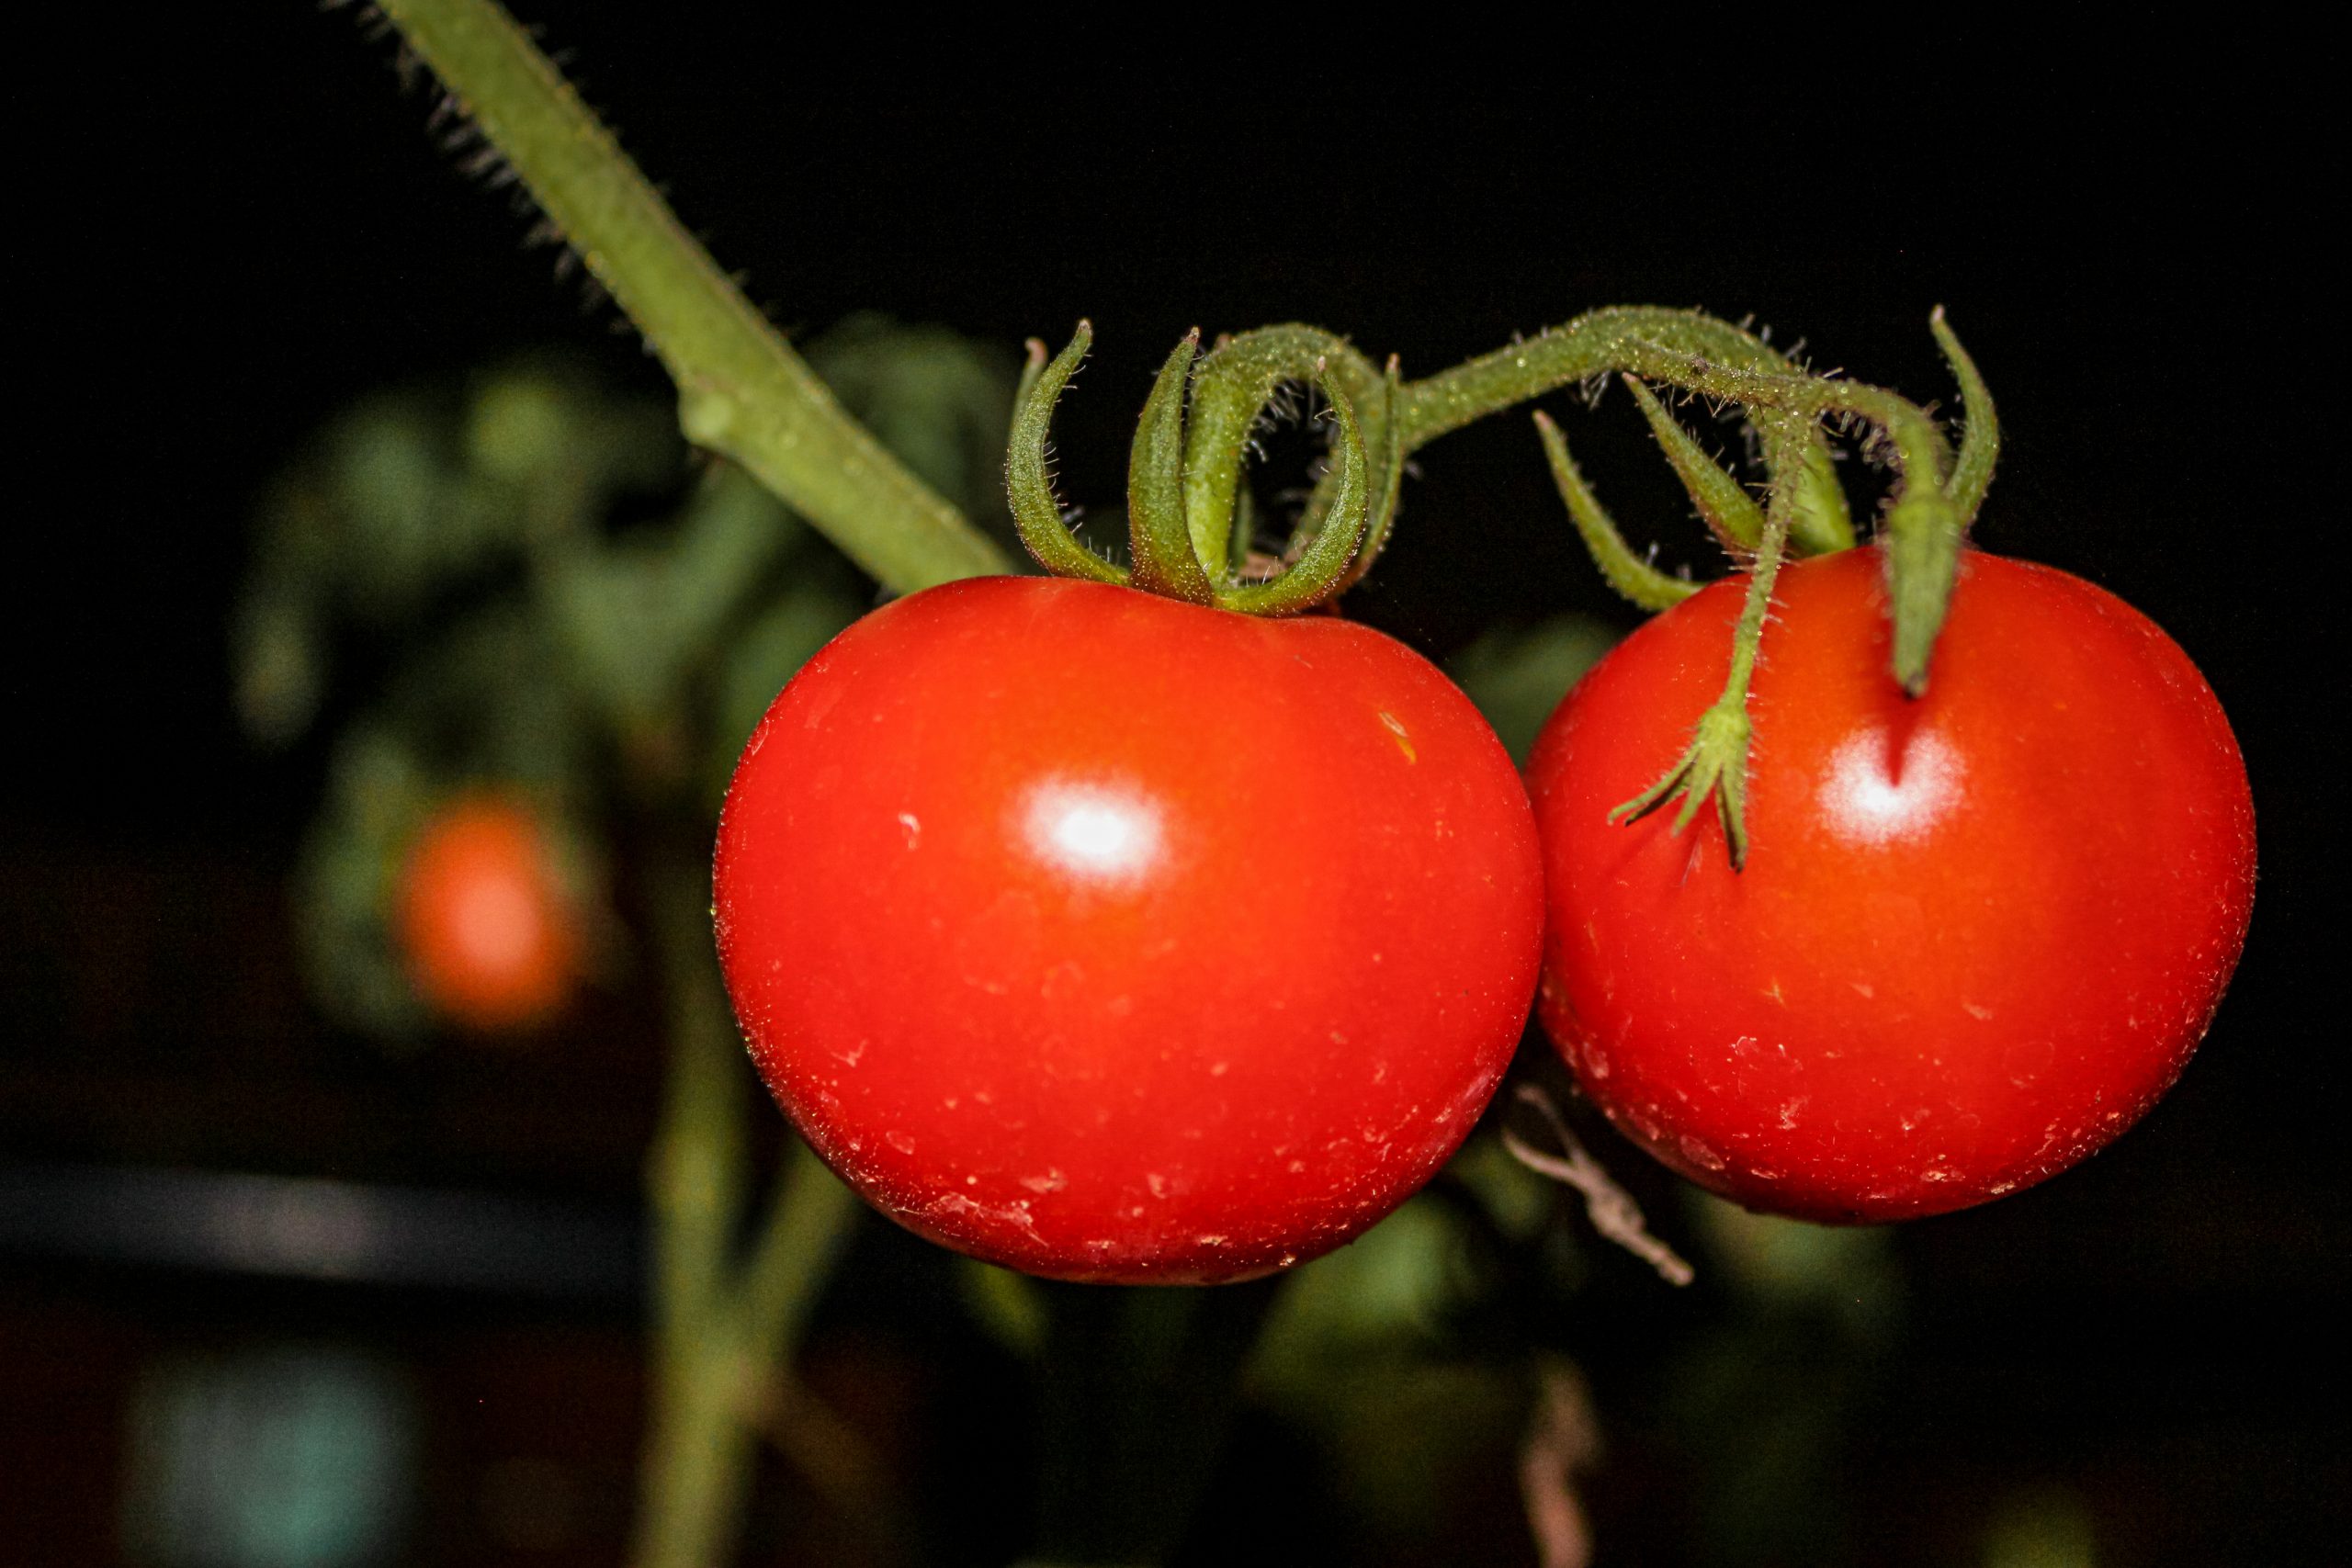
<point>1978,934</point>
<point>492,941</point>
<point>1110,938</point>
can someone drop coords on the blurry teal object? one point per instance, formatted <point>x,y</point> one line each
<point>276,1456</point>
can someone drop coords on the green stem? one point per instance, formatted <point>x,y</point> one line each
<point>723,1335</point>
<point>1715,765</point>
<point>1923,528</point>
<point>1602,342</point>
<point>742,391</point>
<point>809,1222</point>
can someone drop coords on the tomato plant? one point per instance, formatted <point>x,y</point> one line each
<point>1115,937</point>
<point>1979,930</point>
<point>493,940</point>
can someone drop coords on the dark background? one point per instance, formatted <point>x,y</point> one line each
<point>243,224</point>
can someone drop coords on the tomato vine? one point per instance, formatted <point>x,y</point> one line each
<point>745,393</point>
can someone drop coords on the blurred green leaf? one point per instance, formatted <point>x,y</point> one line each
<point>766,653</point>
<point>1008,1305</point>
<point>1390,1287</point>
<point>940,401</point>
<point>1848,1270</point>
<point>344,884</point>
<point>1517,1200</point>
<point>638,618</point>
<point>1518,675</point>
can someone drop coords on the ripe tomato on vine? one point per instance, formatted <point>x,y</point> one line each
<point>1980,861</point>
<point>1979,932</point>
<point>1113,937</point>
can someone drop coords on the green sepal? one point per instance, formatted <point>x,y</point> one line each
<point>1922,545</point>
<point>1321,570</point>
<point>1036,514</point>
<point>1388,458</point>
<point>1628,573</point>
<point>1821,523</point>
<point>1715,767</point>
<point>1159,535</point>
<point>1980,440</point>
<point>1231,385</point>
<point>1033,364</point>
<point>1723,501</point>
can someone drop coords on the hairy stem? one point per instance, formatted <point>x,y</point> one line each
<point>1610,340</point>
<point>1715,767</point>
<point>742,391</point>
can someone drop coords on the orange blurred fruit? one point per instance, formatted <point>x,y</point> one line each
<point>493,939</point>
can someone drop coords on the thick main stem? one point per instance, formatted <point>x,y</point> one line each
<point>742,391</point>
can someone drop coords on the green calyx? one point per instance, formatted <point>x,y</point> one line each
<point>1188,523</point>
<point>1936,496</point>
<point>1191,537</point>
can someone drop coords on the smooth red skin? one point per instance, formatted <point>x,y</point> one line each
<point>1964,954</point>
<point>1263,1035</point>
<point>492,942</point>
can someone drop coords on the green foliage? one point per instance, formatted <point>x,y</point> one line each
<point>1358,1352</point>
<point>1517,675</point>
<point>941,402</point>
<point>412,494</point>
<point>547,597</point>
<point>1763,1401</point>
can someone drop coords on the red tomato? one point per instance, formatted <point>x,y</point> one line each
<point>1978,934</point>
<point>492,940</point>
<point>1110,938</point>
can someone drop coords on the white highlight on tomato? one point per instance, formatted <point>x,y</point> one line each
<point>1876,791</point>
<point>1101,834</point>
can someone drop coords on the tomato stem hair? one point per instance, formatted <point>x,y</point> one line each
<point>742,392</point>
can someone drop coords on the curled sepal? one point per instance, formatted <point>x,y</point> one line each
<point>1626,572</point>
<point>1033,364</point>
<point>1923,544</point>
<point>1321,568</point>
<point>1721,500</point>
<point>1387,458</point>
<point>1980,441</point>
<point>1715,766</point>
<point>1166,560</point>
<point>1232,386</point>
<point>1036,514</point>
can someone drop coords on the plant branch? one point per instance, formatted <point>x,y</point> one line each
<point>1627,337</point>
<point>742,391</point>
<point>724,1332</point>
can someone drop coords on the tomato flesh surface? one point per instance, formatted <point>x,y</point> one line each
<point>1110,938</point>
<point>1978,934</point>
